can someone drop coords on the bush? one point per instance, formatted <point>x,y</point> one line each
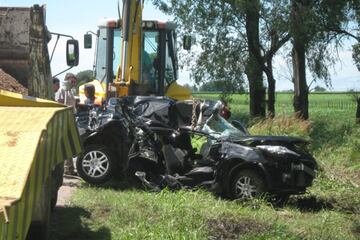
<point>282,125</point>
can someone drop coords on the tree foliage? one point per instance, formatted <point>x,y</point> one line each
<point>236,38</point>
<point>218,30</point>
<point>319,89</point>
<point>329,19</point>
<point>222,86</point>
<point>318,29</point>
<point>356,55</point>
<point>84,77</point>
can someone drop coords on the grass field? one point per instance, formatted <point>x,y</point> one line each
<point>329,210</point>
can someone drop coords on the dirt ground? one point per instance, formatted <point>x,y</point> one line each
<point>225,228</point>
<point>9,83</point>
<point>66,190</point>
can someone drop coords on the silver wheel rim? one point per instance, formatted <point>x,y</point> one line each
<point>95,164</point>
<point>245,188</point>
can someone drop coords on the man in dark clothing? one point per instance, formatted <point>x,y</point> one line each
<point>89,91</point>
<point>56,86</point>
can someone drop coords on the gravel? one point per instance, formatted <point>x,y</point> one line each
<point>9,83</point>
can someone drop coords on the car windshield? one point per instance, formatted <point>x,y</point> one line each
<point>220,128</point>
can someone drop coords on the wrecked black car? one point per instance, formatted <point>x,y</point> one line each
<point>161,143</point>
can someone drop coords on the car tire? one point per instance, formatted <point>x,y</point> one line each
<point>247,184</point>
<point>96,165</point>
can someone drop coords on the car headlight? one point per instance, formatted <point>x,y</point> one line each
<point>280,150</point>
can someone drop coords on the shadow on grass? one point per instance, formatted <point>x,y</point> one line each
<point>70,223</point>
<point>356,228</point>
<point>310,204</point>
<point>114,183</point>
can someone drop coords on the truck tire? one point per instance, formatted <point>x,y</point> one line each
<point>56,181</point>
<point>97,164</point>
<point>40,225</point>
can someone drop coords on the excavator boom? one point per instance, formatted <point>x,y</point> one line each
<point>131,44</point>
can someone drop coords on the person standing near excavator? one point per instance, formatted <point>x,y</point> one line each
<point>66,95</point>
<point>56,85</point>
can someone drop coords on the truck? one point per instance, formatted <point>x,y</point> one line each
<point>36,134</point>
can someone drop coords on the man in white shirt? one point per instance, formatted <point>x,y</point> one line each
<point>66,95</point>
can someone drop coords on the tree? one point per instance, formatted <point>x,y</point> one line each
<point>356,97</point>
<point>300,40</point>
<point>193,88</point>
<point>253,66</point>
<point>234,41</point>
<point>319,89</point>
<point>276,27</point>
<point>316,28</point>
<point>342,20</point>
<point>84,77</point>
<point>225,87</point>
<point>358,109</point>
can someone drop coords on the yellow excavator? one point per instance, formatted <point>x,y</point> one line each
<point>136,57</point>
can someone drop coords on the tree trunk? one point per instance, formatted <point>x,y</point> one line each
<point>301,102</point>
<point>254,67</point>
<point>271,89</point>
<point>358,110</point>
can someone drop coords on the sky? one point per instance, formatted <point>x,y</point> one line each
<point>76,17</point>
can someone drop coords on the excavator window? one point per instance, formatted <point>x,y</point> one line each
<point>117,50</point>
<point>100,66</point>
<point>170,59</point>
<point>150,62</point>
<point>158,63</point>
<point>169,67</point>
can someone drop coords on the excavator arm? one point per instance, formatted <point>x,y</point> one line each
<point>128,74</point>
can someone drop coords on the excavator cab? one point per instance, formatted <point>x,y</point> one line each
<point>155,53</point>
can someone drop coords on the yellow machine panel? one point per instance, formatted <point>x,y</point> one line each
<point>33,140</point>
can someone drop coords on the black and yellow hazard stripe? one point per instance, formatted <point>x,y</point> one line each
<point>60,140</point>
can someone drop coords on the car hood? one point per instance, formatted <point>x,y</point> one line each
<point>272,140</point>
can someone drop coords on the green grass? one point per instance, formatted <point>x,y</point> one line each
<point>329,210</point>
<point>113,214</point>
<point>339,105</point>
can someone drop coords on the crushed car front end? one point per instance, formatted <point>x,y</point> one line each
<point>282,162</point>
<point>291,169</point>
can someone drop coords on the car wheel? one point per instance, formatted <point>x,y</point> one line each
<point>96,165</point>
<point>247,184</point>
